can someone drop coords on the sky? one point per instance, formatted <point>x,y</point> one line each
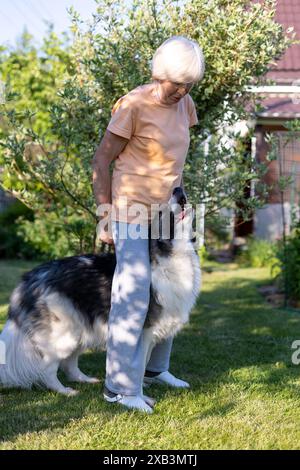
<point>17,14</point>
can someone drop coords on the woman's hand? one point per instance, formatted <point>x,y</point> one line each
<point>106,238</point>
<point>104,229</point>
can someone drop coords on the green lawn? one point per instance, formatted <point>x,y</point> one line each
<point>236,353</point>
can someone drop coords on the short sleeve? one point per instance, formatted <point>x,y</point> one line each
<point>192,113</point>
<point>122,118</point>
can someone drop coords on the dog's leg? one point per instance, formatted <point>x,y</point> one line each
<point>72,371</point>
<point>51,381</point>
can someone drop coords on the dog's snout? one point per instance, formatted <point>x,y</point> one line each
<point>180,196</point>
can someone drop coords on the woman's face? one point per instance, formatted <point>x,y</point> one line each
<point>172,92</point>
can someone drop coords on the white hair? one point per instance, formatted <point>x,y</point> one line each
<point>178,59</point>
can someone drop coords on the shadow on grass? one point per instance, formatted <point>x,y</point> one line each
<point>233,338</point>
<point>36,410</point>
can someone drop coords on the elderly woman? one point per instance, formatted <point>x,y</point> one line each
<point>148,137</point>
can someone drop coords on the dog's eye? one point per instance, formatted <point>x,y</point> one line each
<point>193,240</point>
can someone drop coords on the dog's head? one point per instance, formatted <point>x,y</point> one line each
<point>173,225</point>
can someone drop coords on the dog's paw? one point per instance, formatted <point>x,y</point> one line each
<point>84,379</point>
<point>70,392</point>
<point>93,380</point>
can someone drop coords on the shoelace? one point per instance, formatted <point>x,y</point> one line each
<point>118,397</point>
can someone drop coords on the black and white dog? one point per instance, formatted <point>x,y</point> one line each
<point>61,307</point>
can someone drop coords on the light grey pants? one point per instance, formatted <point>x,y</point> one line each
<point>129,305</point>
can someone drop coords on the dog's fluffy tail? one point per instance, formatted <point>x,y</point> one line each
<point>20,363</point>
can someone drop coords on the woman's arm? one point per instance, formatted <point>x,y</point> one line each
<point>109,149</point>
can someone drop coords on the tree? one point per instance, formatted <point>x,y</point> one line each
<point>112,56</point>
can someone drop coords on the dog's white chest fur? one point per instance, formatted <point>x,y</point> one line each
<point>176,283</point>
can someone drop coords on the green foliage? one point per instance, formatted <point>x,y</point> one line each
<point>288,249</point>
<point>288,254</point>
<point>59,104</point>
<point>32,77</point>
<point>216,230</point>
<point>52,237</point>
<point>203,254</point>
<point>11,244</point>
<point>258,253</point>
<point>46,239</point>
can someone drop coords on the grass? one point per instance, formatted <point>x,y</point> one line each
<point>236,353</point>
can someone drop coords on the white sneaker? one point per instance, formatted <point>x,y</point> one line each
<point>135,402</point>
<point>167,379</point>
<point>150,401</point>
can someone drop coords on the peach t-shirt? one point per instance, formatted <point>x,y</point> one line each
<point>151,164</point>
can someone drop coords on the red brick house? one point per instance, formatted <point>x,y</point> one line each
<point>281,103</point>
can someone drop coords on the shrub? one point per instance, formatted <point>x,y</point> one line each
<point>203,254</point>
<point>258,253</point>
<point>288,255</point>
<point>11,243</point>
<point>58,103</point>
